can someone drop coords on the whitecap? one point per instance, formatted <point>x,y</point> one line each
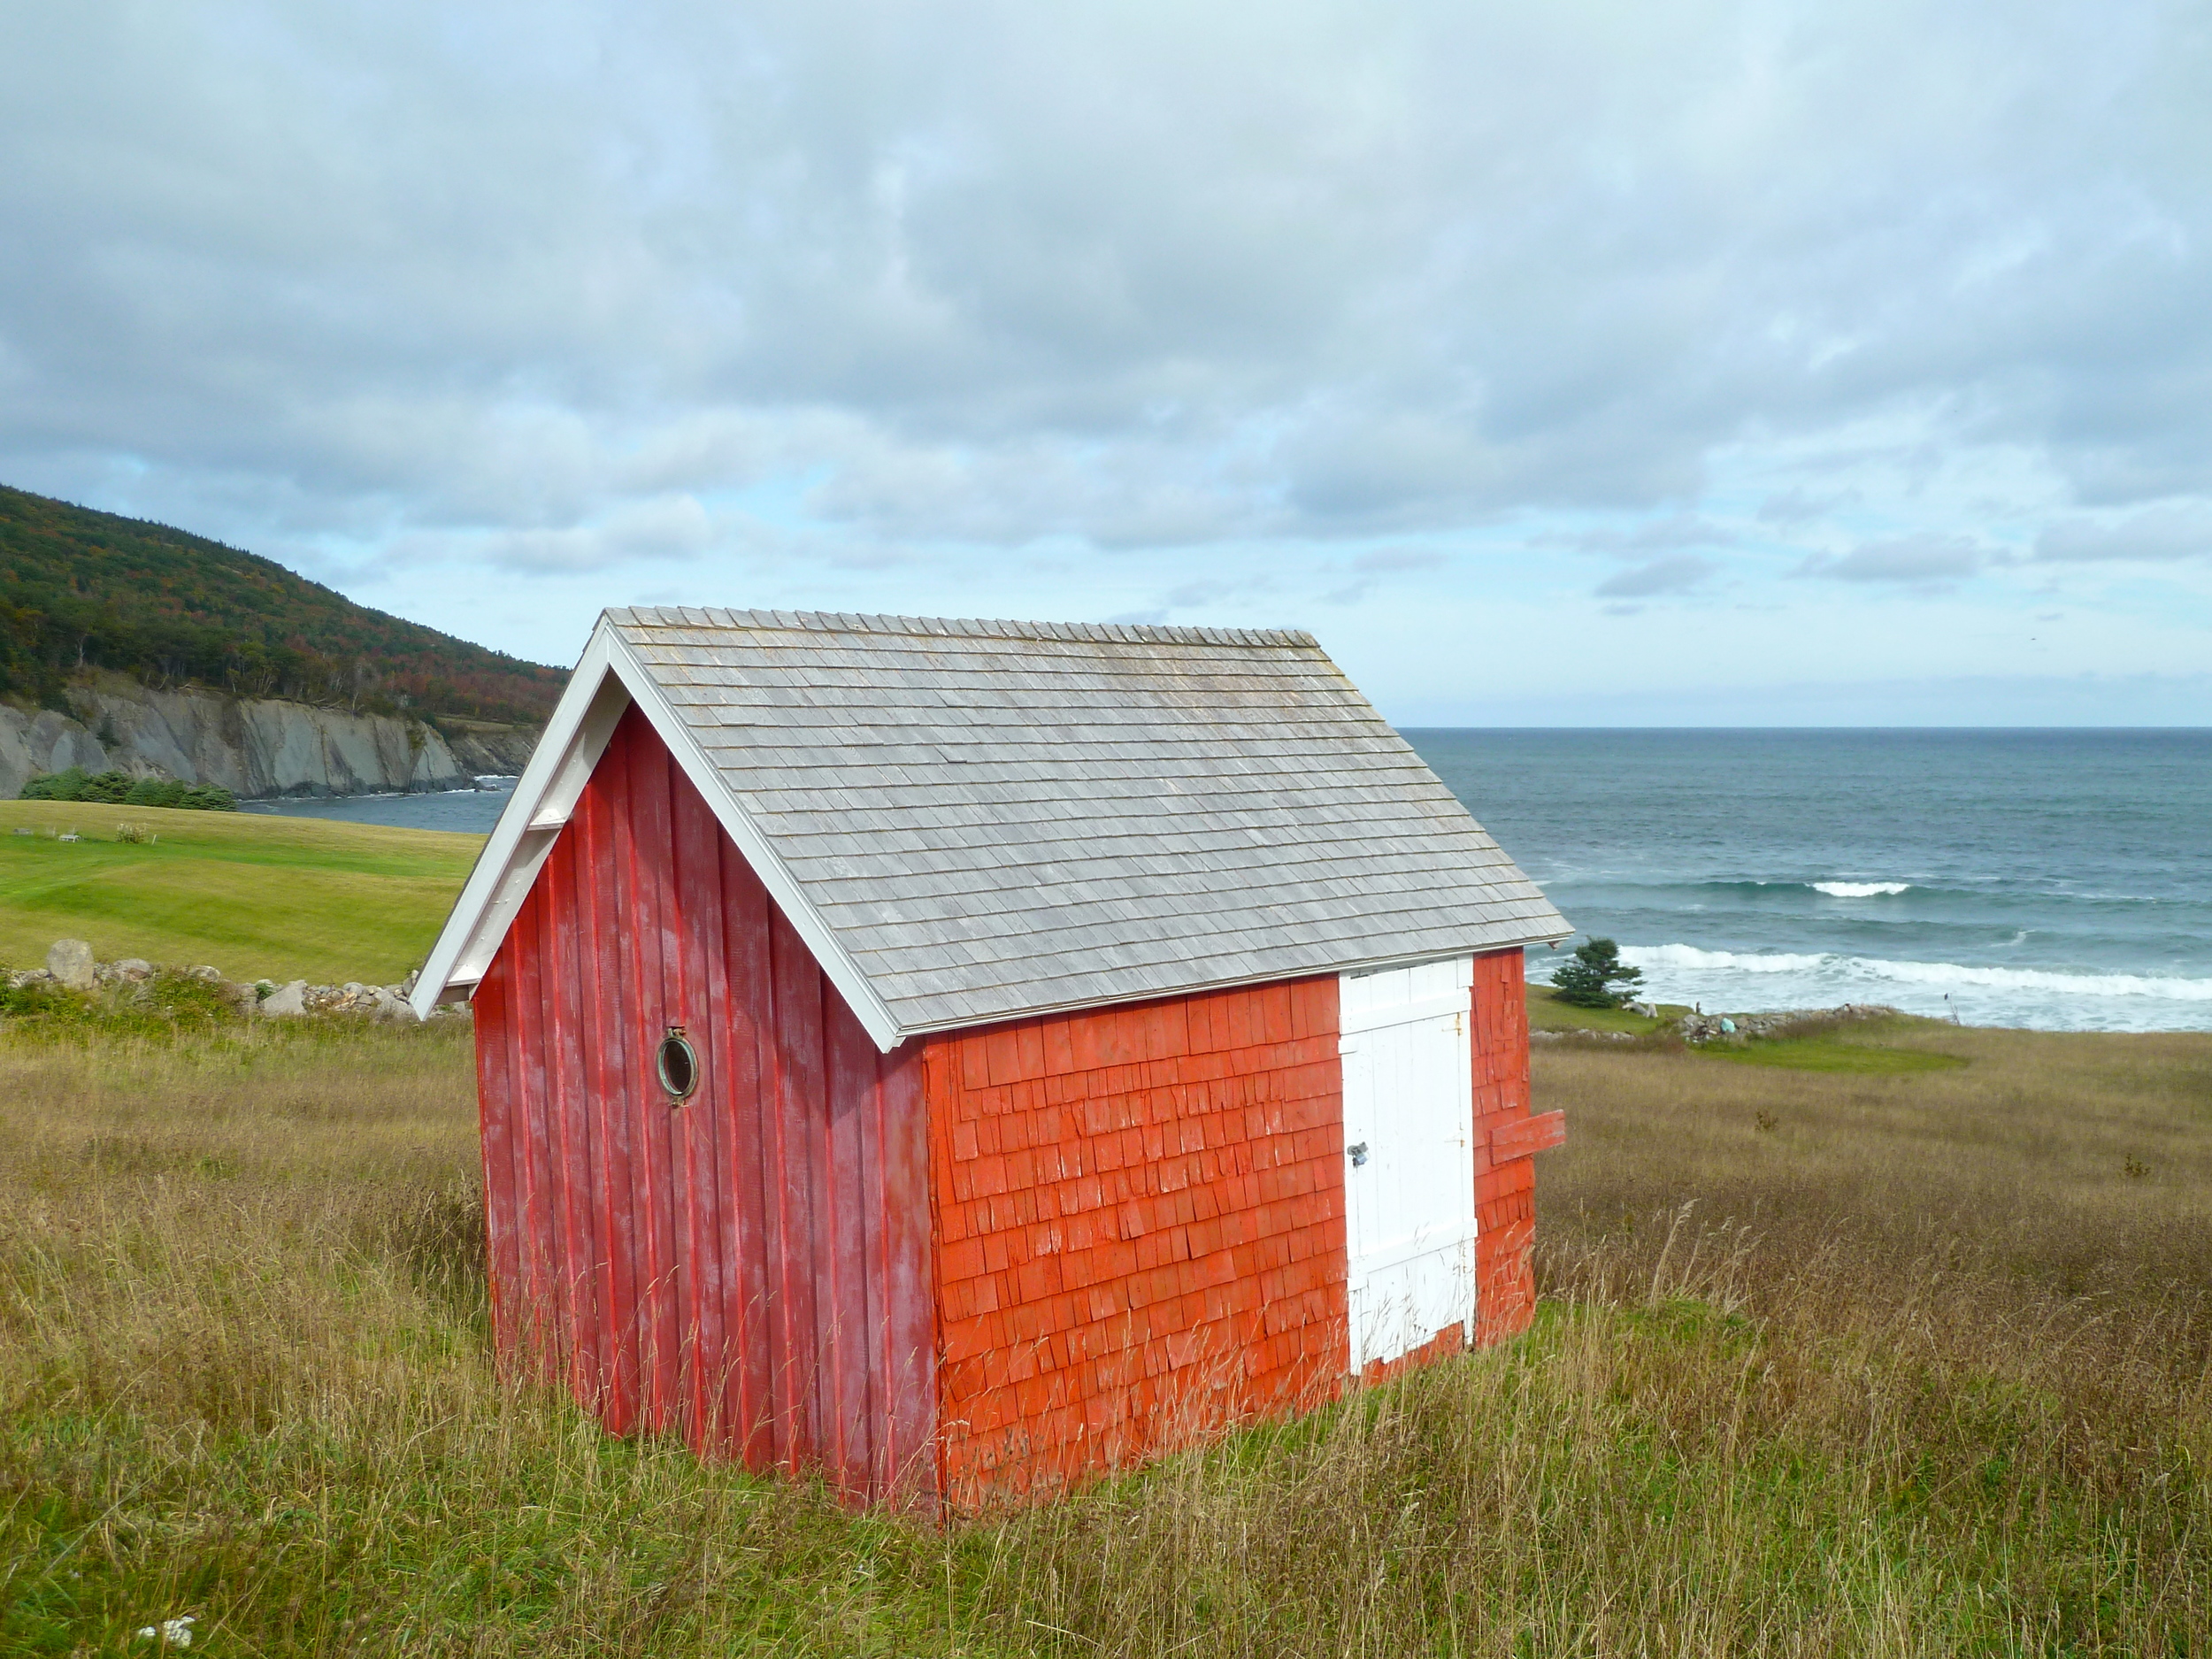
<point>1875,971</point>
<point>1860,889</point>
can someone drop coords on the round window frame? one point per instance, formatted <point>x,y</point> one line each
<point>677,1041</point>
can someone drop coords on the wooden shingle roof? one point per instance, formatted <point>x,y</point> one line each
<point>974,821</point>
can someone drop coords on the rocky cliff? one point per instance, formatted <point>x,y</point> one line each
<point>251,747</point>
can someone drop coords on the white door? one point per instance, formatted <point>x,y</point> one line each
<point>1409,1165</point>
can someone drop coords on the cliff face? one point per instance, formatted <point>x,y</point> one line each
<point>251,747</point>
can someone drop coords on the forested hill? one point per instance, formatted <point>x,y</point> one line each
<point>81,589</point>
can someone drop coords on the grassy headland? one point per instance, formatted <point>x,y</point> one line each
<point>1828,1363</point>
<point>255,895</point>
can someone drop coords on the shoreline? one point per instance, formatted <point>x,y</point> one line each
<point>1553,1021</point>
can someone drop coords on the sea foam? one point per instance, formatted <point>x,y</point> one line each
<point>1860,889</point>
<point>1659,961</point>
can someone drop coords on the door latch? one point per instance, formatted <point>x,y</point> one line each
<point>1357,1154</point>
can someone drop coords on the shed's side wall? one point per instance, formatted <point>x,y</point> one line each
<point>1142,1229</point>
<point>752,1269</point>
<point>1505,1174</point>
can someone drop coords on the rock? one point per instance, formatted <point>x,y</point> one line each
<point>135,968</point>
<point>251,746</point>
<point>289,1002</point>
<point>206,973</point>
<point>407,986</point>
<point>391,1005</point>
<point>70,961</point>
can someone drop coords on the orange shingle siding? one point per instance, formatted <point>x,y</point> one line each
<point>1505,1188</point>
<point>1140,1229</point>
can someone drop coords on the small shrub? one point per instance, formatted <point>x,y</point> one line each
<point>119,789</point>
<point>163,1008</point>
<point>154,792</point>
<point>208,797</point>
<point>56,786</point>
<point>1597,977</point>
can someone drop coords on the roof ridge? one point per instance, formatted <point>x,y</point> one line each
<point>965,627</point>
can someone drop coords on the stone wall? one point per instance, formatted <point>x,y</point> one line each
<point>251,747</point>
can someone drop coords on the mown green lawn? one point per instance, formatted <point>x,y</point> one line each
<point>1547,1012</point>
<point>1875,1049</point>
<point>254,895</point>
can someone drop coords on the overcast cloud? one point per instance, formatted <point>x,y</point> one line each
<point>1440,330</point>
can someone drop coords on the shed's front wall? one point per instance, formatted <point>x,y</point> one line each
<point>750,1269</point>
<point>1140,1215</point>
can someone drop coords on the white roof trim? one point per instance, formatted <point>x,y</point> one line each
<point>575,738</point>
<point>608,678</point>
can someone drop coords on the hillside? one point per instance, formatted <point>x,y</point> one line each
<point>82,590</point>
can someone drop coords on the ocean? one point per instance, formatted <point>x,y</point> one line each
<point>2055,880</point>
<point>470,811</point>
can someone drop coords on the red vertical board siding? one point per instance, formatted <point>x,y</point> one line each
<point>1505,1184</point>
<point>752,1269</point>
<point>1140,1229</point>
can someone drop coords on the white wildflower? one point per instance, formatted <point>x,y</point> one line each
<point>170,1633</point>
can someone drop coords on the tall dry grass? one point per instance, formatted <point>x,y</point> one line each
<point>1849,1384</point>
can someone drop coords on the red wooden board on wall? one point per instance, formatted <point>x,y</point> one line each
<point>751,1268</point>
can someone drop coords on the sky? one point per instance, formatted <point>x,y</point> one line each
<point>1572,364</point>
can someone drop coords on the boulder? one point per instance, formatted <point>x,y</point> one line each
<point>206,973</point>
<point>286,1002</point>
<point>70,961</point>
<point>135,969</point>
<point>391,1005</point>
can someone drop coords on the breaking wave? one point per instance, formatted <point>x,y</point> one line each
<point>1860,889</point>
<point>1662,961</point>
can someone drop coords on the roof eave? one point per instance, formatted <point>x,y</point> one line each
<point>607,680</point>
<point>1366,964</point>
<point>543,796</point>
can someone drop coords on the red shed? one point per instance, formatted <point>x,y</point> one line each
<point>961,1056</point>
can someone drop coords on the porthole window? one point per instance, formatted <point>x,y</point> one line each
<point>679,1066</point>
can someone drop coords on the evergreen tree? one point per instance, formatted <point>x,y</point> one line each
<point>1590,979</point>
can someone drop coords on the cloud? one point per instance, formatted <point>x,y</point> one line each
<point>661,529</point>
<point>1798,505</point>
<point>1666,530</point>
<point>1676,575</point>
<point>1913,558</point>
<point>1397,561</point>
<point>2177,530</point>
<point>1144,278</point>
<point>885,306</point>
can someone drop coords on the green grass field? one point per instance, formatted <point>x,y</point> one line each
<point>1890,1339</point>
<point>256,896</point>
<point>1826,1364</point>
<point>1547,1012</point>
